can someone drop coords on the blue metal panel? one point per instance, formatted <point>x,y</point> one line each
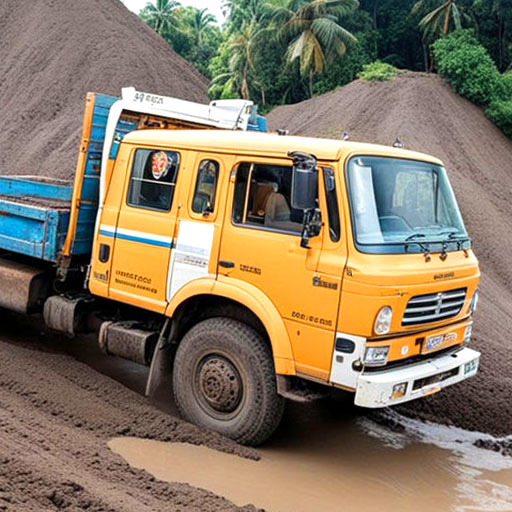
<point>32,230</point>
<point>14,186</point>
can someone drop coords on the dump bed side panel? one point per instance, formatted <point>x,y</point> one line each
<point>34,216</point>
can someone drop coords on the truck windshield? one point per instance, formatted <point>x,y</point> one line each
<point>403,206</point>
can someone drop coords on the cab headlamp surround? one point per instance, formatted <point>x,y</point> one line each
<point>376,356</point>
<point>382,323</point>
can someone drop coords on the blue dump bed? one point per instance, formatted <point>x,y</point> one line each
<point>35,212</point>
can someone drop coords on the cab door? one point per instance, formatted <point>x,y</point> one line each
<point>261,245</point>
<point>143,236</point>
<point>198,232</point>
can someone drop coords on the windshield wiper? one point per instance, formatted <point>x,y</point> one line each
<point>415,235</point>
<point>425,248</point>
<point>453,236</point>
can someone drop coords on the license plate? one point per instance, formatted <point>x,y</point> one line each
<point>438,340</point>
<point>433,342</point>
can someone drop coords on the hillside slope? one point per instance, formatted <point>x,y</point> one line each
<point>428,116</point>
<point>53,53</point>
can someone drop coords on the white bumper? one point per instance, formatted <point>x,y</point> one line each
<point>375,389</point>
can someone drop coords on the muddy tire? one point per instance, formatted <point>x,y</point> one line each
<point>224,380</point>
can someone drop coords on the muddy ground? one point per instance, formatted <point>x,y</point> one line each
<point>56,416</point>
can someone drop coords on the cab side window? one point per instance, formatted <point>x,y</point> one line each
<point>206,186</point>
<point>262,198</point>
<point>153,179</point>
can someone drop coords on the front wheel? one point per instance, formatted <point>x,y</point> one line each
<point>224,380</point>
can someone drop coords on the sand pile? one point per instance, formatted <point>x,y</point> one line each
<point>428,116</point>
<point>53,53</point>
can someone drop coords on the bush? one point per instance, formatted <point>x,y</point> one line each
<point>378,71</point>
<point>465,64</point>
<point>506,84</point>
<point>500,113</point>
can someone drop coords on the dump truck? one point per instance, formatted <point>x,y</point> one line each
<point>253,267</point>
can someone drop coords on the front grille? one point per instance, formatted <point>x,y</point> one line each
<point>434,379</point>
<point>433,307</point>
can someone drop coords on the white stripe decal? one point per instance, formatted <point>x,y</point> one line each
<point>136,234</point>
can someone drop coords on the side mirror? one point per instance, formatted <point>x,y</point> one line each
<point>304,191</point>
<point>304,194</point>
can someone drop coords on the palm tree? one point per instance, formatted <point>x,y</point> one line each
<point>240,48</point>
<point>200,23</point>
<point>438,20</point>
<point>161,16</point>
<point>241,12</point>
<point>314,33</point>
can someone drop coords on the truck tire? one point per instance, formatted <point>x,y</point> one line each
<point>224,380</point>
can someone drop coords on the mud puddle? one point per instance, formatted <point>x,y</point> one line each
<point>323,460</point>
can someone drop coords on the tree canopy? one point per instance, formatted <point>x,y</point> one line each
<point>283,51</point>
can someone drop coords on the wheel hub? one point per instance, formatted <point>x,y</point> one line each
<point>220,383</point>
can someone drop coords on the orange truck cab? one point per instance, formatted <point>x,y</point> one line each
<point>317,261</point>
<point>254,267</point>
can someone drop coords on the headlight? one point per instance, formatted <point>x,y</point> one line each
<point>399,390</point>
<point>376,356</point>
<point>474,302</point>
<point>383,321</point>
<point>467,334</point>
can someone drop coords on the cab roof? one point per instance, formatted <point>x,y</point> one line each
<point>260,143</point>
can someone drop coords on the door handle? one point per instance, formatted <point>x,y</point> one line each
<point>104,253</point>
<point>226,264</point>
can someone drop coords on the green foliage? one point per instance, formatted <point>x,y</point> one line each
<point>161,16</point>
<point>282,51</point>
<point>313,33</point>
<point>465,64</point>
<point>506,85</point>
<point>399,41</point>
<point>344,70</point>
<point>500,113</point>
<point>378,72</point>
<point>495,29</point>
<point>441,16</point>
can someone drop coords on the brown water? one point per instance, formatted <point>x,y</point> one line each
<point>324,460</point>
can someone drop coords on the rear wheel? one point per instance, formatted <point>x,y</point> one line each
<point>224,380</point>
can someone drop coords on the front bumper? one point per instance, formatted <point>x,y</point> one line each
<point>375,389</point>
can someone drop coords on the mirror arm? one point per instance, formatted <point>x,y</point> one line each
<point>311,226</point>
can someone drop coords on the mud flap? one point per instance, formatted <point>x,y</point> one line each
<point>161,361</point>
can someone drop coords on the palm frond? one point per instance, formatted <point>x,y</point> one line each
<point>456,16</point>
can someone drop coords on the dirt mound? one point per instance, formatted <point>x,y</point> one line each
<point>56,416</point>
<point>53,53</point>
<point>428,116</point>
